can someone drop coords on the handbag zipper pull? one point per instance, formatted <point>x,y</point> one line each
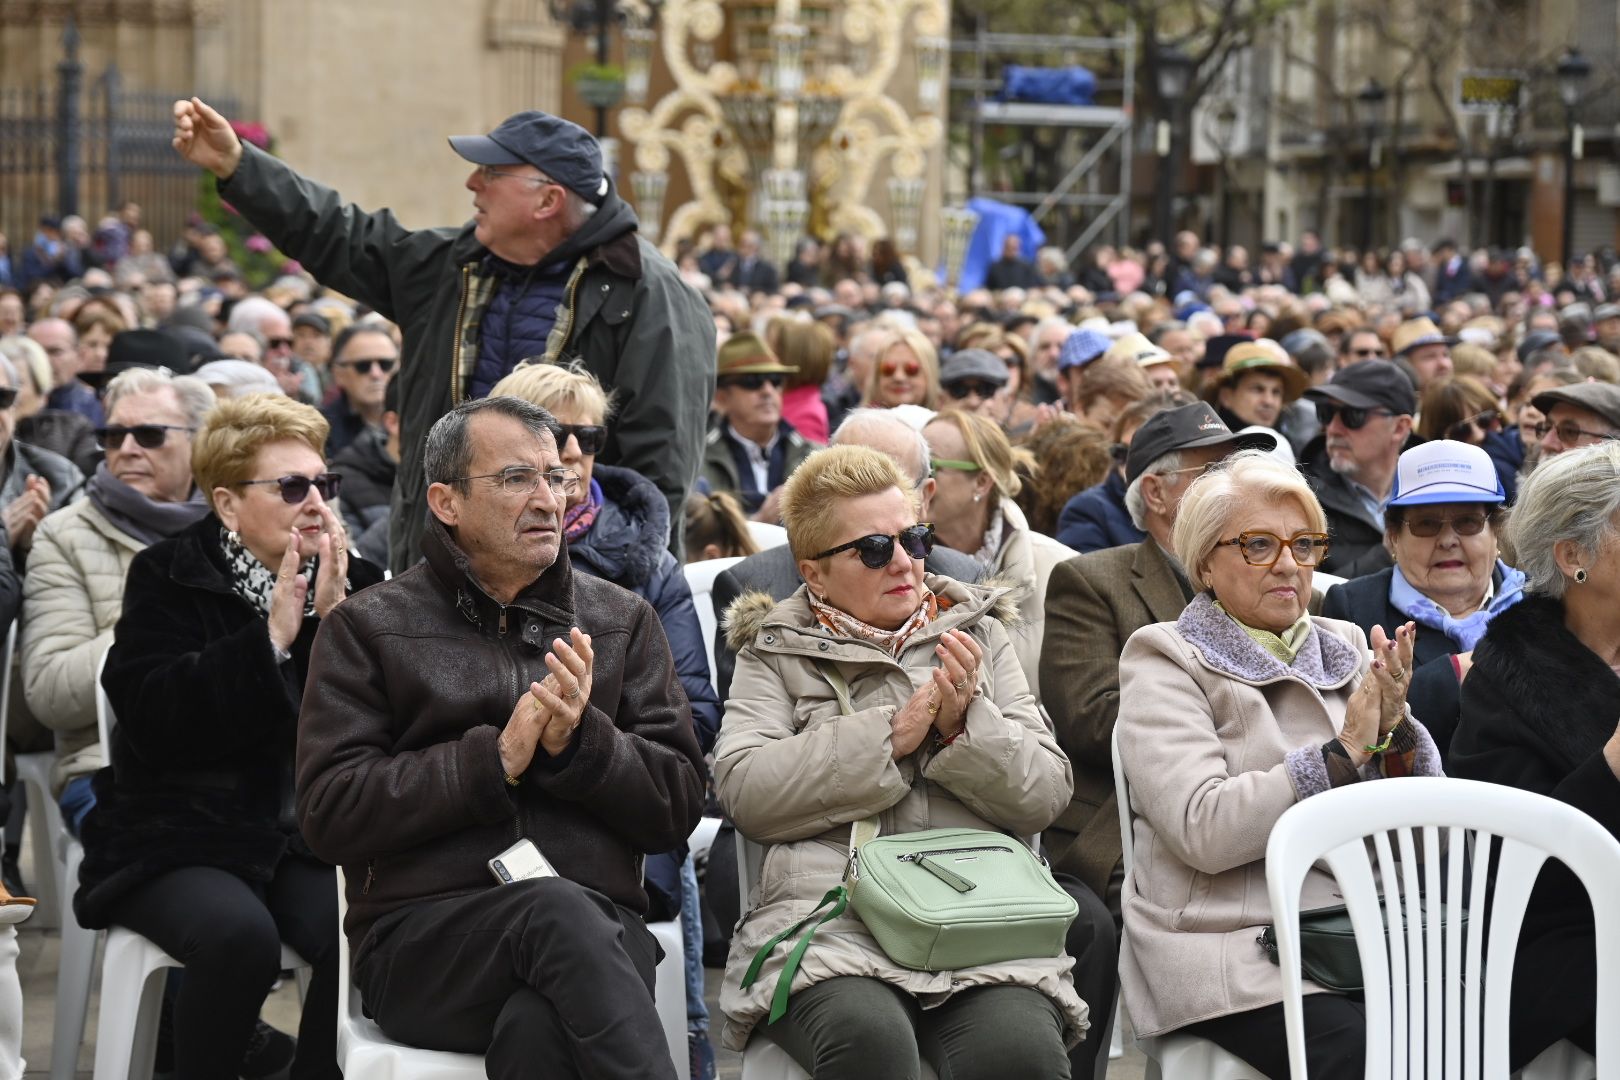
<point>949,877</point>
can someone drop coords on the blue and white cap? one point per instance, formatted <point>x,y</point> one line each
<point>1445,471</point>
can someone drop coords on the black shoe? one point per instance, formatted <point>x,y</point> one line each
<point>268,1052</point>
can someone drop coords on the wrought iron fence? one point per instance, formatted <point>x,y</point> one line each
<point>69,148</point>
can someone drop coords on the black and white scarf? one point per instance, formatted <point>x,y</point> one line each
<point>255,582</point>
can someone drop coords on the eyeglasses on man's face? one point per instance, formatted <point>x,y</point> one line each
<point>524,480</point>
<point>489,173</point>
<point>1569,432</point>
<point>753,380</point>
<point>363,367</point>
<point>1264,548</point>
<point>876,551</point>
<point>1353,418</point>
<point>147,436</point>
<point>962,389</point>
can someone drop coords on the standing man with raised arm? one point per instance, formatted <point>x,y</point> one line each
<point>549,269</point>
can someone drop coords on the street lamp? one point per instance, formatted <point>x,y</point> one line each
<point>1172,70</point>
<point>1223,125</point>
<point>595,17</point>
<point>1370,106</point>
<point>1573,70</point>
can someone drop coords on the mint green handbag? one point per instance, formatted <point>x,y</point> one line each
<point>936,900</point>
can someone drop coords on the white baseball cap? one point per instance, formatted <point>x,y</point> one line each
<point>1445,471</point>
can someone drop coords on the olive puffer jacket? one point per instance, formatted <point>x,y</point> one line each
<point>793,774</point>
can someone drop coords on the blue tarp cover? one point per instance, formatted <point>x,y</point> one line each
<point>997,220</point>
<point>1048,86</point>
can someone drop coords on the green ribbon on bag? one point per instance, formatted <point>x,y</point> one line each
<point>838,897</point>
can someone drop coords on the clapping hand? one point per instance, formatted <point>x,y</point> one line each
<point>287,598</point>
<point>332,575</point>
<point>24,513</point>
<point>1392,671</point>
<point>955,681</point>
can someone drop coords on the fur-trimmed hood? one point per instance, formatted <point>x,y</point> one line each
<point>747,615</point>
<point>631,532</point>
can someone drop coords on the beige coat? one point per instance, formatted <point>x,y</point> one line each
<point>1218,739</point>
<point>72,595</point>
<point>1027,559</point>
<point>793,774</point>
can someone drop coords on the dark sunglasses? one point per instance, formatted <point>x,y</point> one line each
<point>295,488</point>
<point>877,550</point>
<point>279,342</point>
<point>591,437</point>
<point>967,388</point>
<point>1119,452</point>
<point>1485,420</point>
<point>8,396</point>
<point>147,436</point>
<point>1369,354</point>
<point>1464,524</point>
<point>1351,417</point>
<point>364,366</point>
<point>753,380</point>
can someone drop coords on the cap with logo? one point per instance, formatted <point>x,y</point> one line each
<point>1598,397</point>
<point>747,354</point>
<point>1445,471</point>
<point>1370,384</point>
<point>1082,347</point>
<point>1186,428</point>
<point>561,149</point>
<point>1415,334</point>
<point>1250,356</point>
<point>1138,348</point>
<point>978,364</point>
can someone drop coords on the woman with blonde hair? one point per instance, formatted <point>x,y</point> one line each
<point>1228,716</point>
<point>191,842</point>
<point>932,727</point>
<point>976,473</point>
<point>905,371</point>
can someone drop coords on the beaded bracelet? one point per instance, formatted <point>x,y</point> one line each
<point>1388,738</point>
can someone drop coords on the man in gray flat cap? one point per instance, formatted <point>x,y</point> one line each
<point>549,270</point>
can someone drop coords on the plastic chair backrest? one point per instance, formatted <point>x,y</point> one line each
<point>104,713</point>
<point>1122,797</point>
<point>1437,995</point>
<point>767,535</point>
<point>5,696</point>
<point>700,579</point>
<point>345,980</point>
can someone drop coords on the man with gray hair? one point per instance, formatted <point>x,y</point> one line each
<point>1094,603</point>
<point>417,771</point>
<point>550,269</point>
<point>33,481</point>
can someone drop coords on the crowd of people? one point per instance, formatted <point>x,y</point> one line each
<point>1278,526</point>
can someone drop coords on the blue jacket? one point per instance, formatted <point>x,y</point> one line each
<point>628,545</point>
<point>1096,518</point>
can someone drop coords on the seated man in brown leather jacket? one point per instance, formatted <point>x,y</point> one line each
<point>485,697</point>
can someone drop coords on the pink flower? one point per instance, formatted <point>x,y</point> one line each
<point>253,132</point>
<point>257,243</point>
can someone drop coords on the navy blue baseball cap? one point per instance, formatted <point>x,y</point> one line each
<point>561,149</point>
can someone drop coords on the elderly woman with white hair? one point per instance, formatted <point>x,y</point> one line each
<point>1538,713</point>
<point>1228,716</point>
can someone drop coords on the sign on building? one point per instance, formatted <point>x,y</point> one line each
<point>1485,92</point>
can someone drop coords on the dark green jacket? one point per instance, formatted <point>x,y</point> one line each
<point>642,331</point>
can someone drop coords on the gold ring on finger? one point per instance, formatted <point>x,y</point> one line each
<point>1398,675</point>
<point>962,685</point>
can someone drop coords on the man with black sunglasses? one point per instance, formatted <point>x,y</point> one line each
<point>1366,412</point>
<point>364,359</point>
<point>750,450</point>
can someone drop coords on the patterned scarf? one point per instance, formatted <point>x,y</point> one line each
<point>253,581</point>
<point>1466,631</point>
<point>577,520</point>
<point>1284,646</point>
<point>891,641</point>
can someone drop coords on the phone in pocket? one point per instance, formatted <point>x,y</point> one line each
<point>520,862</point>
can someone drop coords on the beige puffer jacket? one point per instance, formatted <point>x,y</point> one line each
<point>793,774</point>
<point>72,595</point>
<point>1027,557</point>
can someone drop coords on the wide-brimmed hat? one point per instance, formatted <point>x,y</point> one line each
<point>1445,471</point>
<point>1252,356</point>
<point>1185,428</point>
<point>1416,333</point>
<point>747,354</point>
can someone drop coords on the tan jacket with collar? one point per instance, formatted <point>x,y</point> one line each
<point>793,774</point>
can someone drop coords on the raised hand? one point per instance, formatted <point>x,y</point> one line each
<point>24,513</point>
<point>1392,672</point>
<point>956,680</point>
<point>522,732</point>
<point>564,694</point>
<point>332,575</point>
<point>205,138</point>
<point>287,598</point>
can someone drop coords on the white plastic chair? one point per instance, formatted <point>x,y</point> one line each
<point>1433,969</point>
<point>700,579</point>
<point>365,1053</point>
<point>126,1033</point>
<point>767,535</point>
<point>1175,1055</point>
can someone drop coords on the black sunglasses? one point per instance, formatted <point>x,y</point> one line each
<point>295,488</point>
<point>1352,418</point>
<point>8,396</point>
<point>1486,421</point>
<point>969,388</point>
<point>147,436</point>
<point>363,367</point>
<point>591,437</point>
<point>753,380</point>
<point>877,550</point>
<point>279,342</point>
